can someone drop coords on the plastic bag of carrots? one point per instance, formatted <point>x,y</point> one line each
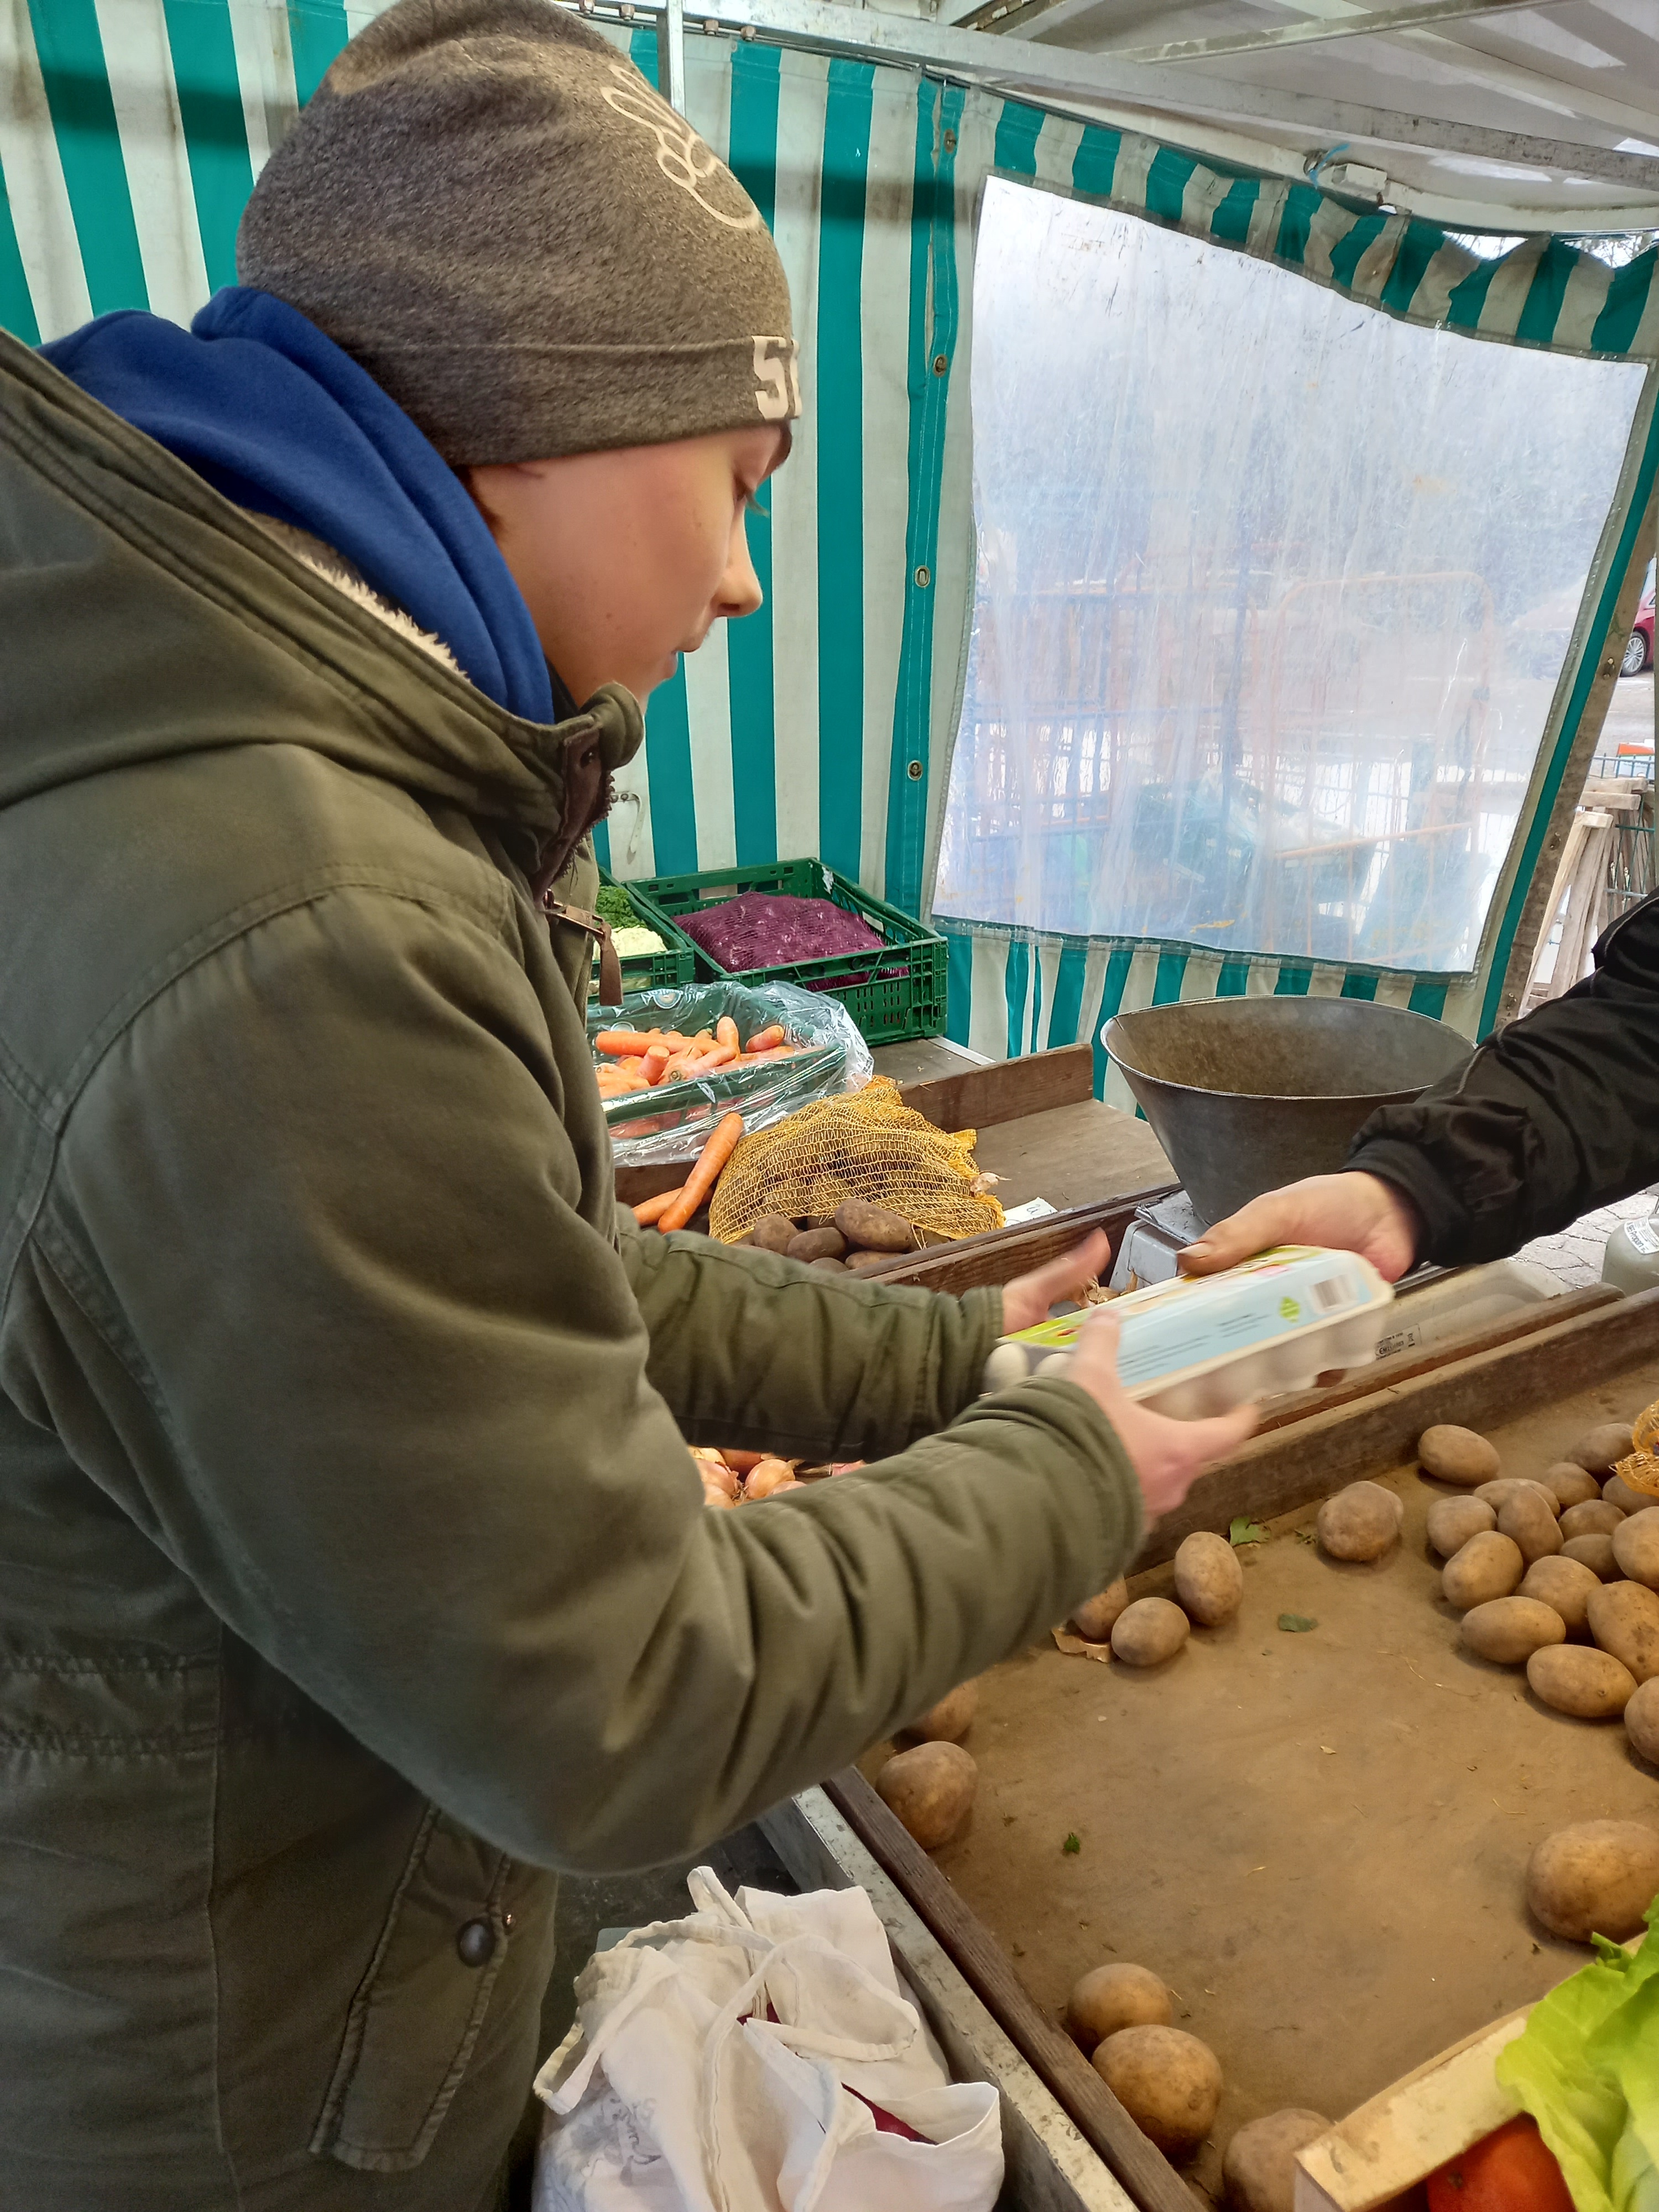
<point>669,1064</point>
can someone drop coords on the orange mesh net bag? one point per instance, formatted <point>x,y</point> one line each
<point>1641,1469</point>
<point>861,1145</point>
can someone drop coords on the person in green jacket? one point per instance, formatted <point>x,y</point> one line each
<point>354,1571</point>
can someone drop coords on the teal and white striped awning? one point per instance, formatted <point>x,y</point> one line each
<point>130,131</point>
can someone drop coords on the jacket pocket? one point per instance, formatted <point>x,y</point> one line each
<point>417,2014</point>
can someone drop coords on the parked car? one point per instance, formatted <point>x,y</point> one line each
<point>1638,652</point>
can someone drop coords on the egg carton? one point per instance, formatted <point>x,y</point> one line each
<point>1199,1345</point>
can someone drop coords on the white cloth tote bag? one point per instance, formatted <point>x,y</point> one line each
<point>758,2057</point>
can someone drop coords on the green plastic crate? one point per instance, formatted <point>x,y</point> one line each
<point>671,970</point>
<point>887,1008</point>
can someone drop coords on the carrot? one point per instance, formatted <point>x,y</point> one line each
<point>653,1208</point>
<point>706,1174</point>
<point>765,1039</point>
<point>710,1061</point>
<point>617,1044</point>
<point>726,1031</point>
<point>653,1064</point>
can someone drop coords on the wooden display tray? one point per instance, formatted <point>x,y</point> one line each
<point>1558,1366</point>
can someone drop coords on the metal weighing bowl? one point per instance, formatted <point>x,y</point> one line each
<point>1246,1094</point>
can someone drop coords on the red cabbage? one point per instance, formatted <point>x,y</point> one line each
<point>764,929</point>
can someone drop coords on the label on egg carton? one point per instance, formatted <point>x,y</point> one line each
<point>1198,1344</point>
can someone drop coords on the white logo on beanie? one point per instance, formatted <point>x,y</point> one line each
<point>682,156</point>
<point>777,379</point>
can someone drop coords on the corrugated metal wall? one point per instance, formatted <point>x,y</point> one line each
<point>130,131</point>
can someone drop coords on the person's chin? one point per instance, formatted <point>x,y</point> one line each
<point>644,681</point>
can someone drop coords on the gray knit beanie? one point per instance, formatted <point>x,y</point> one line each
<point>487,206</point>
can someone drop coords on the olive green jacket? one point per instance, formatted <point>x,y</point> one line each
<point>353,1570</point>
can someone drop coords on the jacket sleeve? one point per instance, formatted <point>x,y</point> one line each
<point>312,1297</point>
<point>1557,1114</point>
<point>761,1352</point>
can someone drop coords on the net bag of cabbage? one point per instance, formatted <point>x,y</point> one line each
<point>758,2052</point>
<point>866,1145</point>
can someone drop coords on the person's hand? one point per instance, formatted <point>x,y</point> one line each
<point>1354,1212</point>
<point>1169,1456</point>
<point>1027,1299</point>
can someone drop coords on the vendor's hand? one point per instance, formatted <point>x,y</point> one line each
<point>1027,1299</point>
<point>1169,1456</point>
<point>1354,1212</point>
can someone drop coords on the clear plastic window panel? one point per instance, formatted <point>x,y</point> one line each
<point>1273,592</point>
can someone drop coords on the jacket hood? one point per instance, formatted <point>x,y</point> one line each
<point>144,616</point>
<point>270,411</point>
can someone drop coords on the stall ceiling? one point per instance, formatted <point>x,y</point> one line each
<point>1507,115</point>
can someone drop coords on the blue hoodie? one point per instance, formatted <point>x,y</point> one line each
<point>279,419</point>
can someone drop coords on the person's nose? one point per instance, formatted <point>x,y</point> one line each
<point>739,592</point>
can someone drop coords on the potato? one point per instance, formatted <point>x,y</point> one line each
<point>1110,1997</point>
<point>1564,1585</point>
<point>873,1228</point>
<point>1572,1485</point>
<point>1209,1582</point>
<point>763,1479</point>
<point>1531,1524</point>
<point>1509,1630</point>
<point>829,1264</point>
<point>1642,1720</point>
<point>1593,1517</point>
<point>1488,1567</point>
<point>773,1232</point>
<point>865,1263</point>
<point>1623,1618</point>
<point>1168,2082</point>
<point>1260,2167</point>
<point>1497,1494</point>
<point>1359,1522</point>
<point>1636,1546</point>
<point>1595,1553</point>
<point>1617,1491</point>
<point>930,1789</point>
<point>1453,1521</point>
<point>948,1720</point>
<point>1094,1618</point>
<point>816,1244</point>
<point>1149,1631</point>
<point>1574,1679</point>
<point>1456,1455</point>
<point>1598,1452</point>
<point>1596,1878</point>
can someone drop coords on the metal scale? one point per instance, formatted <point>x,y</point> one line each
<point>1247,1094</point>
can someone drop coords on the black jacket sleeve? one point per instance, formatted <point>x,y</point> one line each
<point>1557,1114</point>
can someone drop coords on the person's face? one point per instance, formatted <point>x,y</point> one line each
<point>626,558</point>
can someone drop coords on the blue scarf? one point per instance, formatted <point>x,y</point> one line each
<point>277,418</point>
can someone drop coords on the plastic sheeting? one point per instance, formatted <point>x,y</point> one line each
<point>673,1121</point>
<point>1274,593</point>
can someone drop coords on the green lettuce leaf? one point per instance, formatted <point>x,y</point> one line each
<point>1587,2069</point>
